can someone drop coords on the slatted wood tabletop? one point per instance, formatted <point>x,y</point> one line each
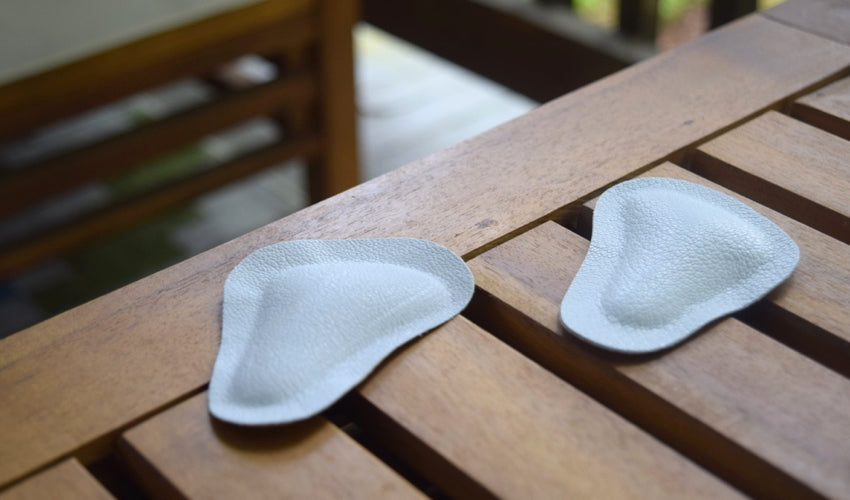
<point>501,401</point>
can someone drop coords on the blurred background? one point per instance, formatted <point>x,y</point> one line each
<point>410,102</point>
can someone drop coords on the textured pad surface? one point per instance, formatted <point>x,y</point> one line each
<point>666,258</point>
<point>305,321</point>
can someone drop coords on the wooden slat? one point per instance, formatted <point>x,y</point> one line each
<point>66,480</point>
<point>118,154</point>
<point>783,163</point>
<point>155,341</point>
<point>827,108</point>
<point>337,168</point>
<point>729,380</point>
<point>810,311</point>
<point>122,215</point>
<point>261,27</point>
<point>184,452</point>
<point>515,430</point>
<point>827,18</point>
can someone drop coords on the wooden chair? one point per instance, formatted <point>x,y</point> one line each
<point>312,98</point>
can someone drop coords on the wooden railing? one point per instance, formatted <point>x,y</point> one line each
<point>639,18</point>
<point>533,48</point>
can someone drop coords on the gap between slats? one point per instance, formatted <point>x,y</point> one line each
<point>784,164</point>
<point>100,449</point>
<point>569,213</point>
<point>827,108</point>
<point>34,183</point>
<point>125,473</point>
<point>151,454</point>
<point>587,369</point>
<point>591,370</point>
<point>471,404</point>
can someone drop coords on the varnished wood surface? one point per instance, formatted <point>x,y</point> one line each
<point>184,452</point>
<point>792,167</point>
<point>73,385</point>
<point>726,377</point>
<point>828,18</point>
<point>827,108</point>
<point>67,480</point>
<point>487,410</point>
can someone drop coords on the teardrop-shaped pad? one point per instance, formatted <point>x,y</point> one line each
<point>305,321</point>
<point>666,258</point>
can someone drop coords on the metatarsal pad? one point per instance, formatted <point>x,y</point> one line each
<point>305,321</point>
<point>666,258</point>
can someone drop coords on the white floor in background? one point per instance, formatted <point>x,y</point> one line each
<point>412,103</point>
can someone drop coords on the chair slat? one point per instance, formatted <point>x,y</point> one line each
<point>198,48</point>
<point>121,215</point>
<point>38,182</point>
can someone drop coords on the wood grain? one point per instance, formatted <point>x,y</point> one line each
<point>516,430</point>
<point>729,380</point>
<point>67,480</point>
<point>827,18</point>
<point>184,452</point>
<point>787,165</point>
<point>810,311</point>
<point>155,341</point>
<point>827,108</point>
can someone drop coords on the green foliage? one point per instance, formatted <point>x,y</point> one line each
<point>671,10</point>
<point>604,12</point>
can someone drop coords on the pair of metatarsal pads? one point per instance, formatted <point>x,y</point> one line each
<point>306,321</point>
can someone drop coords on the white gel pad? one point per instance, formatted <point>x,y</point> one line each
<point>305,321</point>
<point>668,257</point>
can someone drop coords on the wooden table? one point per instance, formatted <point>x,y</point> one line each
<point>500,401</point>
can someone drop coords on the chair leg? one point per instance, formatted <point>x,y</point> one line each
<point>337,170</point>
